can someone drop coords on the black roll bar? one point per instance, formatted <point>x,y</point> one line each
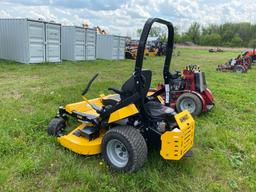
<point>168,57</point>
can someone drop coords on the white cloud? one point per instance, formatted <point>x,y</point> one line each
<point>4,14</point>
<point>125,16</point>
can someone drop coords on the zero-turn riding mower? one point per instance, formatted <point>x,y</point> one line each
<point>119,126</point>
<point>239,65</point>
<point>188,91</point>
<point>151,51</point>
<point>215,50</point>
<point>131,52</point>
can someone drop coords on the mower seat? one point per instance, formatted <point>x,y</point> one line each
<point>109,102</point>
<point>129,87</point>
<point>158,111</point>
<point>129,93</point>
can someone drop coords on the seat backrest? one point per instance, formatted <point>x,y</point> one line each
<point>129,87</point>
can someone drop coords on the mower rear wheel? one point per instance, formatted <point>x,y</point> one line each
<point>239,69</point>
<point>129,55</point>
<point>124,149</point>
<point>190,102</point>
<point>56,126</point>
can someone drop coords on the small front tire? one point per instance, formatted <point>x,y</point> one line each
<point>56,127</point>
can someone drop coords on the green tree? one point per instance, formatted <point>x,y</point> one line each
<point>163,37</point>
<point>244,32</point>
<point>236,41</point>
<point>212,39</point>
<point>252,44</point>
<point>211,29</point>
<point>177,36</point>
<point>227,34</point>
<point>185,37</point>
<point>194,32</point>
<point>155,32</point>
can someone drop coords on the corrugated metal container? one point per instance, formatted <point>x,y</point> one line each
<point>30,41</point>
<point>110,47</point>
<point>90,52</point>
<point>53,42</point>
<point>121,53</point>
<point>78,43</point>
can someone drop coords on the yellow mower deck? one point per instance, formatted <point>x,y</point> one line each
<point>81,145</point>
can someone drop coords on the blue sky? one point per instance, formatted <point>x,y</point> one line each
<point>123,17</point>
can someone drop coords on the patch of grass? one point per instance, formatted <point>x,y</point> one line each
<point>224,152</point>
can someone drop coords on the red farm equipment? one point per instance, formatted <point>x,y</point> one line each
<point>251,54</point>
<point>240,65</point>
<point>188,91</point>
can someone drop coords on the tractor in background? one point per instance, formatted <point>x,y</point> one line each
<point>131,51</point>
<point>215,50</point>
<point>240,64</point>
<point>188,91</point>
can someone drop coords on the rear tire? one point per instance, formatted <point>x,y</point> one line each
<point>56,127</point>
<point>191,102</point>
<point>124,149</point>
<point>239,69</point>
<point>128,55</point>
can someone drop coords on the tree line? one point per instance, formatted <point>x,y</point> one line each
<point>229,34</point>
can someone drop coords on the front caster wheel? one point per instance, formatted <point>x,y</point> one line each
<point>56,127</point>
<point>124,149</point>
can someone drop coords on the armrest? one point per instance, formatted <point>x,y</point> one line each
<point>156,93</point>
<point>115,90</point>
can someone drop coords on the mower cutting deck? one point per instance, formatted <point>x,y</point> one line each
<point>118,126</point>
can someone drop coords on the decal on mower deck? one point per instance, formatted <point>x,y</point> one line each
<point>184,118</point>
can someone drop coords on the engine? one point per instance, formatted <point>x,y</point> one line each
<point>177,82</point>
<point>200,81</point>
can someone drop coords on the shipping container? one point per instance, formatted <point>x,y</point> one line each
<point>30,41</point>
<point>78,43</point>
<point>111,47</point>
